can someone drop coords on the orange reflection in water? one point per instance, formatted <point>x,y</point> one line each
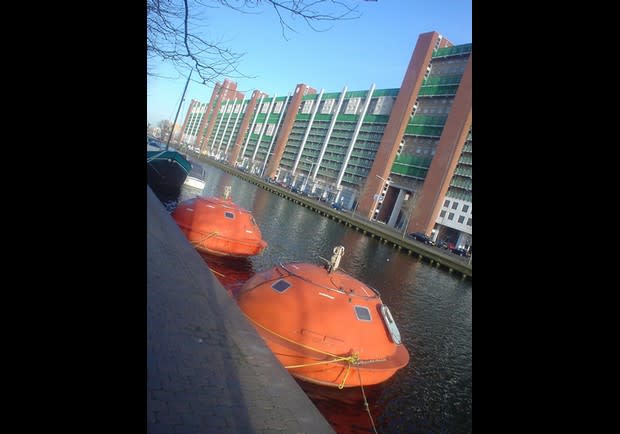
<point>344,409</point>
<point>231,272</point>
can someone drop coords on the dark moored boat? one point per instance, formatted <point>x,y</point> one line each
<point>166,170</point>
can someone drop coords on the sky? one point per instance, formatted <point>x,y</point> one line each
<point>374,48</point>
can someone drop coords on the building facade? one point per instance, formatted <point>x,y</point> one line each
<point>399,156</point>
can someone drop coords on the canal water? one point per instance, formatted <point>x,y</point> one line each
<point>432,309</point>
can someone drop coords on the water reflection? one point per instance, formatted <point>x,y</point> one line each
<point>232,273</point>
<point>347,406</point>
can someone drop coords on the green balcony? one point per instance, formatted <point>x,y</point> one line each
<point>410,171</point>
<point>435,121</point>
<point>423,130</point>
<point>455,50</point>
<point>442,79</point>
<point>438,90</point>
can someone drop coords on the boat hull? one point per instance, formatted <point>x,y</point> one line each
<point>166,170</point>
<point>344,373</point>
<point>219,227</point>
<point>325,328</point>
<point>196,183</point>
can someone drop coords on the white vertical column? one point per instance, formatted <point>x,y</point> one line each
<point>303,141</point>
<point>247,140</point>
<point>356,132</point>
<point>275,132</point>
<point>217,130</point>
<point>262,131</point>
<point>226,126</point>
<point>397,206</point>
<point>329,132</point>
<point>234,126</point>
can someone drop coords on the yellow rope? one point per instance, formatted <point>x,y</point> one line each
<point>303,365</point>
<point>346,375</point>
<point>353,359</point>
<point>289,340</point>
<point>219,274</point>
<point>206,237</point>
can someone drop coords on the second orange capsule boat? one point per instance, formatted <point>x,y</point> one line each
<point>219,227</point>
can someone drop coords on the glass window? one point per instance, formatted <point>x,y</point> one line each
<point>465,208</point>
<point>469,222</point>
<point>327,106</point>
<point>455,205</point>
<point>461,219</point>
<point>307,106</point>
<point>352,105</point>
<point>281,285</point>
<point>446,203</point>
<point>362,313</point>
<point>450,216</point>
<point>229,215</point>
<point>442,213</point>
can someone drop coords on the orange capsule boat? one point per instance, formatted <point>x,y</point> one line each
<point>323,325</point>
<point>219,227</point>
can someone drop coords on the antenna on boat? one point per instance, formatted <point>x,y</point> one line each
<point>335,261</point>
<point>179,109</point>
<point>227,190</point>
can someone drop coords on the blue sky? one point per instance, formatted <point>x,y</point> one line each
<point>375,48</point>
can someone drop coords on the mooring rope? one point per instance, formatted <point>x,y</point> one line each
<point>366,403</point>
<point>353,359</point>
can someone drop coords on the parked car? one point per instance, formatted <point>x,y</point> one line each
<point>419,236</point>
<point>443,244</point>
<point>460,252</point>
<point>337,206</point>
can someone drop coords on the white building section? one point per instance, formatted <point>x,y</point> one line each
<point>330,129</point>
<point>303,142</point>
<point>232,133</point>
<point>262,132</point>
<point>247,140</point>
<point>226,126</point>
<point>455,214</point>
<point>219,124</point>
<point>360,121</point>
<point>273,137</point>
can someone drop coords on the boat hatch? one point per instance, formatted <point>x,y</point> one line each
<point>281,285</point>
<point>229,215</point>
<point>362,313</point>
<point>391,325</point>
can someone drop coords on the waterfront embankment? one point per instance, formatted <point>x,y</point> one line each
<point>386,234</point>
<point>208,370</point>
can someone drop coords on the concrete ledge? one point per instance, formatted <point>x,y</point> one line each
<point>208,370</point>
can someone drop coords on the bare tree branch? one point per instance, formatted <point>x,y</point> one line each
<point>172,36</point>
